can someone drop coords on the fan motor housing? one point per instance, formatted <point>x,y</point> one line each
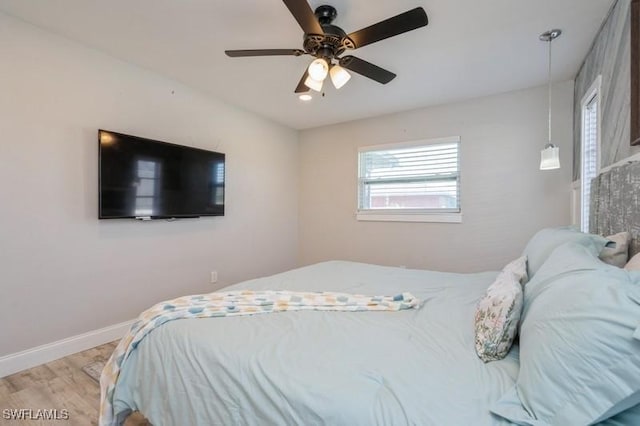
<point>325,14</point>
<point>333,42</point>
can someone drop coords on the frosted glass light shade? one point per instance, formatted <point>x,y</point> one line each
<point>550,158</point>
<point>313,84</point>
<point>318,69</point>
<point>339,76</point>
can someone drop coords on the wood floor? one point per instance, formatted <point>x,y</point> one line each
<point>59,384</point>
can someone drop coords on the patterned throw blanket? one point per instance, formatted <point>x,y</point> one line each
<point>232,303</point>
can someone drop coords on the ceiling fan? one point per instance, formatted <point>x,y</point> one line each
<point>327,43</point>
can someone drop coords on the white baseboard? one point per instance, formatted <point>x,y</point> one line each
<point>19,361</point>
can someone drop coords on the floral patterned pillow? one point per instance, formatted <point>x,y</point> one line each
<point>498,312</point>
<point>519,268</point>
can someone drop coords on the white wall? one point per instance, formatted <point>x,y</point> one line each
<point>504,197</point>
<point>64,272</point>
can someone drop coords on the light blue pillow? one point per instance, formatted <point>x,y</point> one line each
<point>626,418</point>
<point>546,240</point>
<point>579,360</point>
<point>575,257</point>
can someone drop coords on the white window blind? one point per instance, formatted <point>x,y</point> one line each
<point>589,166</point>
<point>419,177</point>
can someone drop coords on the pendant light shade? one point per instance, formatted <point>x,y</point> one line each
<point>550,155</point>
<point>550,158</point>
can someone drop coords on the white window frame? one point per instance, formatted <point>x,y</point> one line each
<point>413,215</point>
<point>594,94</point>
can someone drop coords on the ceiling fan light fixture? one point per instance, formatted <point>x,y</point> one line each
<point>326,43</point>
<point>318,69</point>
<point>305,97</point>
<point>313,84</point>
<point>339,76</point>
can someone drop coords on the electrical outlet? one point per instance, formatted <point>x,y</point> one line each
<point>214,277</point>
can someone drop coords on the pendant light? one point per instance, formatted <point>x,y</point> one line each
<point>550,155</point>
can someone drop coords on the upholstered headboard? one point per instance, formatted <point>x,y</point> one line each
<point>615,203</point>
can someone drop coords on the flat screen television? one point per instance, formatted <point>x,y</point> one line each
<point>147,179</point>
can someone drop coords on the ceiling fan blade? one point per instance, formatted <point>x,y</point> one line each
<point>302,88</point>
<point>264,52</point>
<point>366,69</point>
<point>307,20</point>
<point>407,21</point>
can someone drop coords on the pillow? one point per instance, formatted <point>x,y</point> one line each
<point>625,418</point>
<point>616,252</point>
<point>574,258</point>
<point>579,360</point>
<point>546,240</point>
<point>633,264</point>
<point>498,312</point>
<point>519,268</point>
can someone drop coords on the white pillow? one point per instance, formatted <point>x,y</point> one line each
<point>616,252</point>
<point>519,268</point>
<point>498,312</point>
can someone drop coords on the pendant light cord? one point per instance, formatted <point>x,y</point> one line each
<point>549,83</point>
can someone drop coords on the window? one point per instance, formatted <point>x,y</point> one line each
<point>148,183</point>
<point>590,149</point>
<point>217,177</point>
<point>414,181</point>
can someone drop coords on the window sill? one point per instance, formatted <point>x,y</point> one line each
<point>399,217</point>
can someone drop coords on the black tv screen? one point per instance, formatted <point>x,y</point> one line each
<point>147,179</point>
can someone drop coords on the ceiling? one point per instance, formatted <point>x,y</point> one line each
<point>469,49</point>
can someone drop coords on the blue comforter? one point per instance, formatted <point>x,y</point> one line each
<point>413,367</point>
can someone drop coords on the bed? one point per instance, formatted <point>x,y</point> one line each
<point>579,346</point>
